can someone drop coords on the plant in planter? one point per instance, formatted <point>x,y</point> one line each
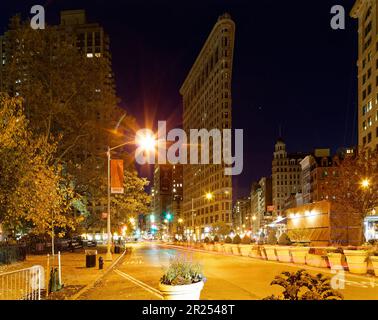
<point>228,240</point>
<point>357,261</point>
<point>235,248</point>
<point>336,258</point>
<point>272,239</point>
<point>270,250</point>
<point>246,240</point>
<point>283,252</point>
<point>317,258</point>
<point>217,245</point>
<point>206,242</point>
<point>182,280</point>
<point>284,240</point>
<point>374,261</point>
<point>227,245</point>
<point>301,285</point>
<point>246,247</point>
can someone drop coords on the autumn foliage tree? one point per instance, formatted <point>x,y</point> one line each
<point>71,108</point>
<point>353,190</point>
<point>34,195</point>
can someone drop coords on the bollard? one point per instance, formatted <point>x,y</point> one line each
<point>100,263</point>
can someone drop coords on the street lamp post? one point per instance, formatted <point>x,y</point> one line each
<point>108,256</point>
<point>148,143</point>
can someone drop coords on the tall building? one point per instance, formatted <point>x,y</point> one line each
<point>255,219</point>
<point>366,13</point>
<point>167,194</point>
<point>90,38</point>
<point>286,176</point>
<point>242,212</point>
<point>207,100</point>
<point>315,169</point>
<point>261,204</point>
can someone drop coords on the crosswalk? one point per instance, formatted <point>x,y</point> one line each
<point>137,260</point>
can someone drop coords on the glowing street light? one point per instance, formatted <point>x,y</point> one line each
<point>209,196</point>
<point>365,183</point>
<point>146,141</point>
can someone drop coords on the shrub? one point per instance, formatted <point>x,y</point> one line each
<point>246,240</point>
<point>182,272</point>
<point>207,240</point>
<point>228,239</point>
<point>284,240</point>
<point>272,239</point>
<point>301,285</point>
<point>216,239</point>
<point>236,239</point>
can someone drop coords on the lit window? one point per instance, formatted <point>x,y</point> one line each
<point>89,55</point>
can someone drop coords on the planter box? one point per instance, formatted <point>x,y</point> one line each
<point>299,254</point>
<point>257,252</point>
<point>316,260</point>
<point>270,252</point>
<point>245,249</point>
<point>335,260</point>
<point>186,292</point>
<point>235,249</point>
<point>283,254</point>
<point>374,262</point>
<point>218,247</point>
<point>227,247</point>
<point>357,261</point>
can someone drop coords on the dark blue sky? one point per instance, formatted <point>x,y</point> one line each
<point>290,68</point>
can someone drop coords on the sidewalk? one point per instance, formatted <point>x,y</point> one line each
<point>75,275</point>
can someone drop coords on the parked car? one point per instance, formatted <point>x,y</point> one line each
<point>75,243</point>
<point>89,243</point>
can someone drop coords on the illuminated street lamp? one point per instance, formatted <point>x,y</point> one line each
<point>209,196</point>
<point>365,183</point>
<point>146,142</point>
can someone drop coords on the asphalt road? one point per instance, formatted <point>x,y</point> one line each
<point>228,277</point>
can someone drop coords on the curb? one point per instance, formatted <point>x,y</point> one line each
<point>93,283</point>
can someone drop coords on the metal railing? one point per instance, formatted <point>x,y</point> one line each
<point>25,284</point>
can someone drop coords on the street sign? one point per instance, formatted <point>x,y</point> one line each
<point>116,170</point>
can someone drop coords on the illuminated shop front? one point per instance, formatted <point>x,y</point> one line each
<point>371,227</point>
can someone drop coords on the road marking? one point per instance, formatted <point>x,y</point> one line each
<point>140,284</point>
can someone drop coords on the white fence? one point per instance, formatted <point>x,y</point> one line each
<point>25,284</point>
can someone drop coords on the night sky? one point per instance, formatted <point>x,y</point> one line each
<point>290,68</point>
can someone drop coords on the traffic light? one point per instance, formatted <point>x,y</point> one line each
<point>168,216</point>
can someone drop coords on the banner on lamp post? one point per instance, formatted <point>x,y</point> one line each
<point>116,171</point>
